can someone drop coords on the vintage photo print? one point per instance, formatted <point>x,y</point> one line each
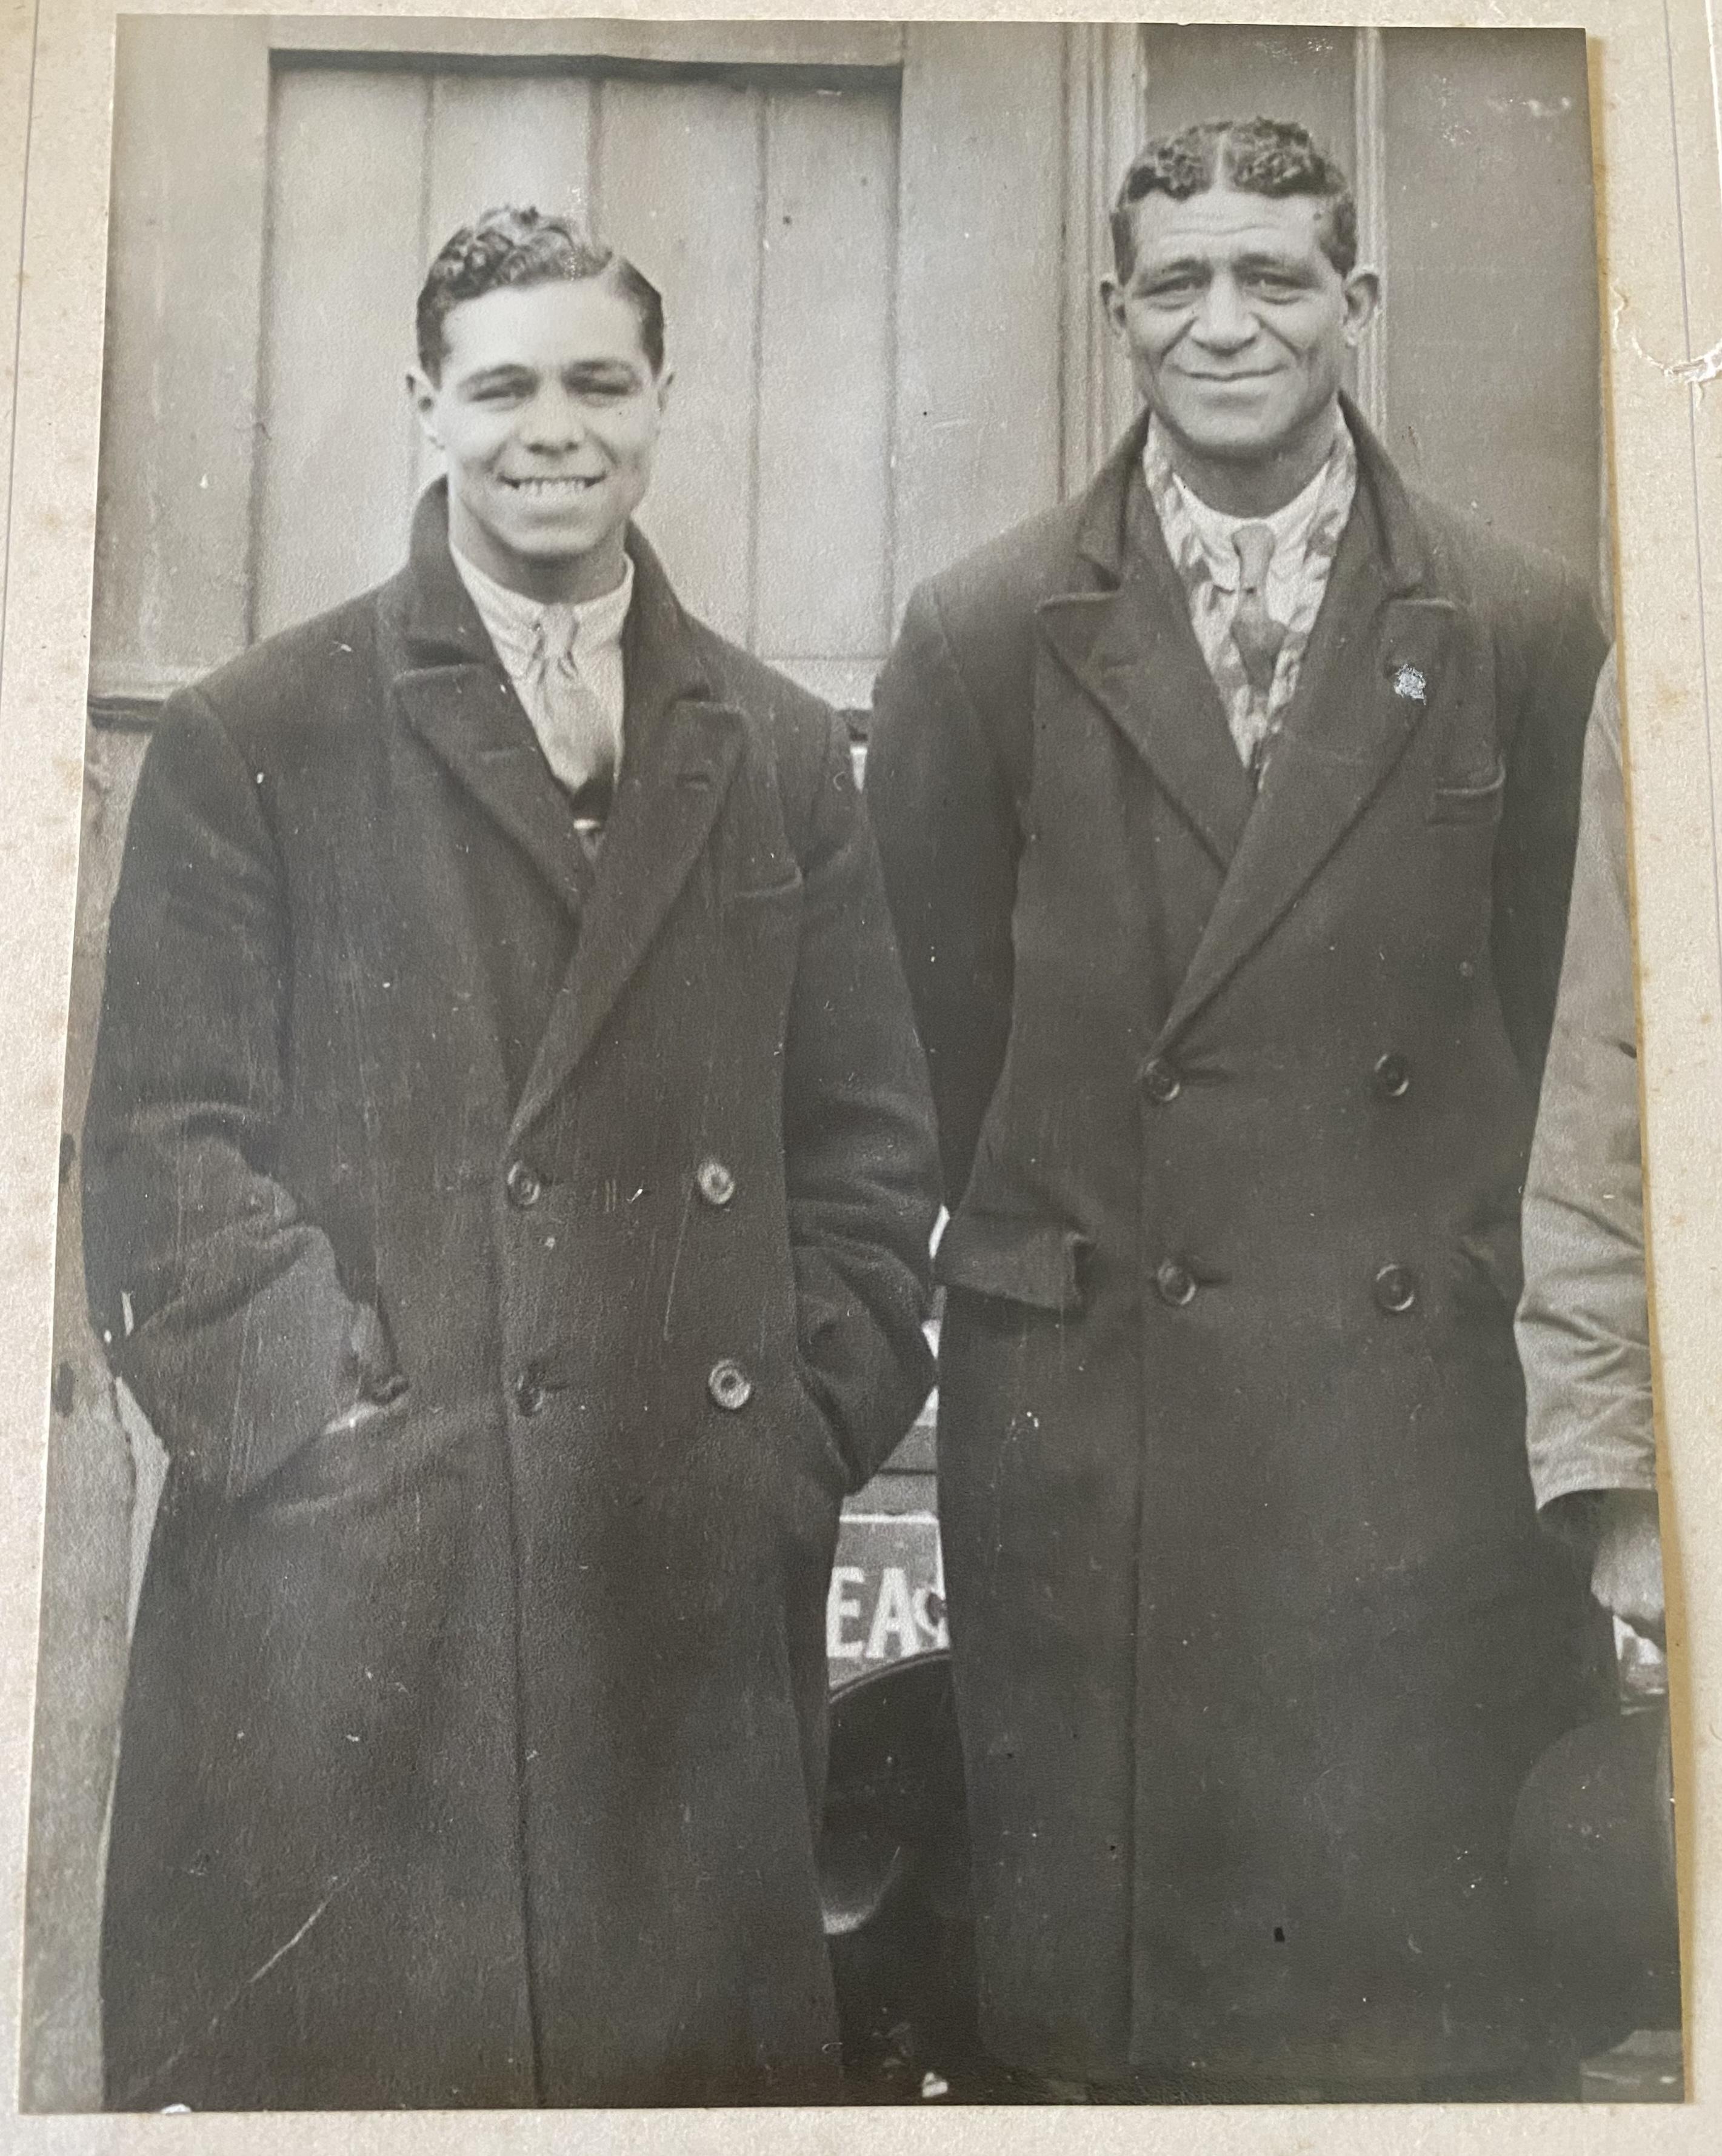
<point>850,1295</point>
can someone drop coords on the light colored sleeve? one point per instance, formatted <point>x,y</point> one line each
<point>1583,1322</point>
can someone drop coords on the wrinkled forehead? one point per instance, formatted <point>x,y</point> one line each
<point>1227,224</point>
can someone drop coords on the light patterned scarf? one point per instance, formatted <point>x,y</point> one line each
<point>1307,533</point>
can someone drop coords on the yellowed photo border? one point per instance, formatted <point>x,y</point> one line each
<point>1655,109</point>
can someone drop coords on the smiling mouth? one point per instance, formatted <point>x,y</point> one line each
<point>562,489</point>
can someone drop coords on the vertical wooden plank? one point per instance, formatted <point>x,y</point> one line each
<point>1103,92</point>
<point>1213,71</point>
<point>505,138</point>
<point>179,395</point>
<point>1370,185</point>
<point>826,308</point>
<point>345,264</point>
<point>496,139</point>
<point>1491,316</point>
<point>979,286</point>
<point>679,190</point>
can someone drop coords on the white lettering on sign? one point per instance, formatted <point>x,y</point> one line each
<point>840,1605</point>
<point>881,1611</point>
<point>893,1614</point>
<point>931,1621</point>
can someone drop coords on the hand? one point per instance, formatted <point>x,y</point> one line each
<point>1626,1575</point>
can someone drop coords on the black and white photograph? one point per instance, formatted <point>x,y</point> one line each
<point>850,1298</point>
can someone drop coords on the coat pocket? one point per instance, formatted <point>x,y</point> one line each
<point>348,1465</point>
<point>1476,803</point>
<point>1013,1258</point>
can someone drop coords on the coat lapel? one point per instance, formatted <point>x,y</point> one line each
<point>1380,659</point>
<point>680,751</point>
<point>1128,645</point>
<point>458,699</point>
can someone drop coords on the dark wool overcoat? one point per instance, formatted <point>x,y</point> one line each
<point>1255,1637</point>
<point>475,1755</point>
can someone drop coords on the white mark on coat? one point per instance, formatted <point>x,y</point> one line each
<point>256,1977</point>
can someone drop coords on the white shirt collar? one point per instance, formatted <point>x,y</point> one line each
<point>524,628</point>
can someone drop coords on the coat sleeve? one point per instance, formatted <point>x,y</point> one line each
<point>949,838</point>
<point>859,1156</point>
<point>1559,652</point>
<point>860,1161</point>
<point>1584,1330</point>
<point>217,1300</point>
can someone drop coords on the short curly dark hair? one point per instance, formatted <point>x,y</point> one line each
<point>1259,156</point>
<point>520,245</point>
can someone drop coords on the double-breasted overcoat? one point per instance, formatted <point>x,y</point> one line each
<point>1255,1637</point>
<point>474,1756</point>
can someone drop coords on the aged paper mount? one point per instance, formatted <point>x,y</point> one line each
<point>1655,109</point>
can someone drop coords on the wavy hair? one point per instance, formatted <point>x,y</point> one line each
<point>519,245</point>
<point>1274,157</point>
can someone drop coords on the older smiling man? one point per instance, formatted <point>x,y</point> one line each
<point>508,1173</point>
<point>1227,815</point>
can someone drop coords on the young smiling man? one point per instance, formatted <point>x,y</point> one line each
<point>509,1172</point>
<point>1227,815</point>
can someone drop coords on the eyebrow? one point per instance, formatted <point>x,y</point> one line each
<point>1198,265</point>
<point>507,372</point>
<point>491,377</point>
<point>1287,265</point>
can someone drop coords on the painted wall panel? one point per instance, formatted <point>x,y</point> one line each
<point>1195,72</point>
<point>1491,316</point>
<point>179,390</point>
<point>828,256</point>
<point>339,454</point>
<point>979,433</point>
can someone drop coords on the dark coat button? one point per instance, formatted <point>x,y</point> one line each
<point>729,1385</point>
<point>529,1393</point>
<point>1161,1079</point>
<point>717,1184</point>
<point>1393,1076</point>
<point>1395,1289</point>
<point>524,1186</point>
<point>1173,1282</point>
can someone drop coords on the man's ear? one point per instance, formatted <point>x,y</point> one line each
<point>666,377</point>
<point>1362,295</point>
<point>1112,301</point>
<point>421,391</point>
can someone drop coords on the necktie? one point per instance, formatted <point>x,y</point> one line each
<point>579,742</point>
<point>1255,632</point>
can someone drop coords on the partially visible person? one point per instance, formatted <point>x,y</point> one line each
<point>1584,1322</point>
